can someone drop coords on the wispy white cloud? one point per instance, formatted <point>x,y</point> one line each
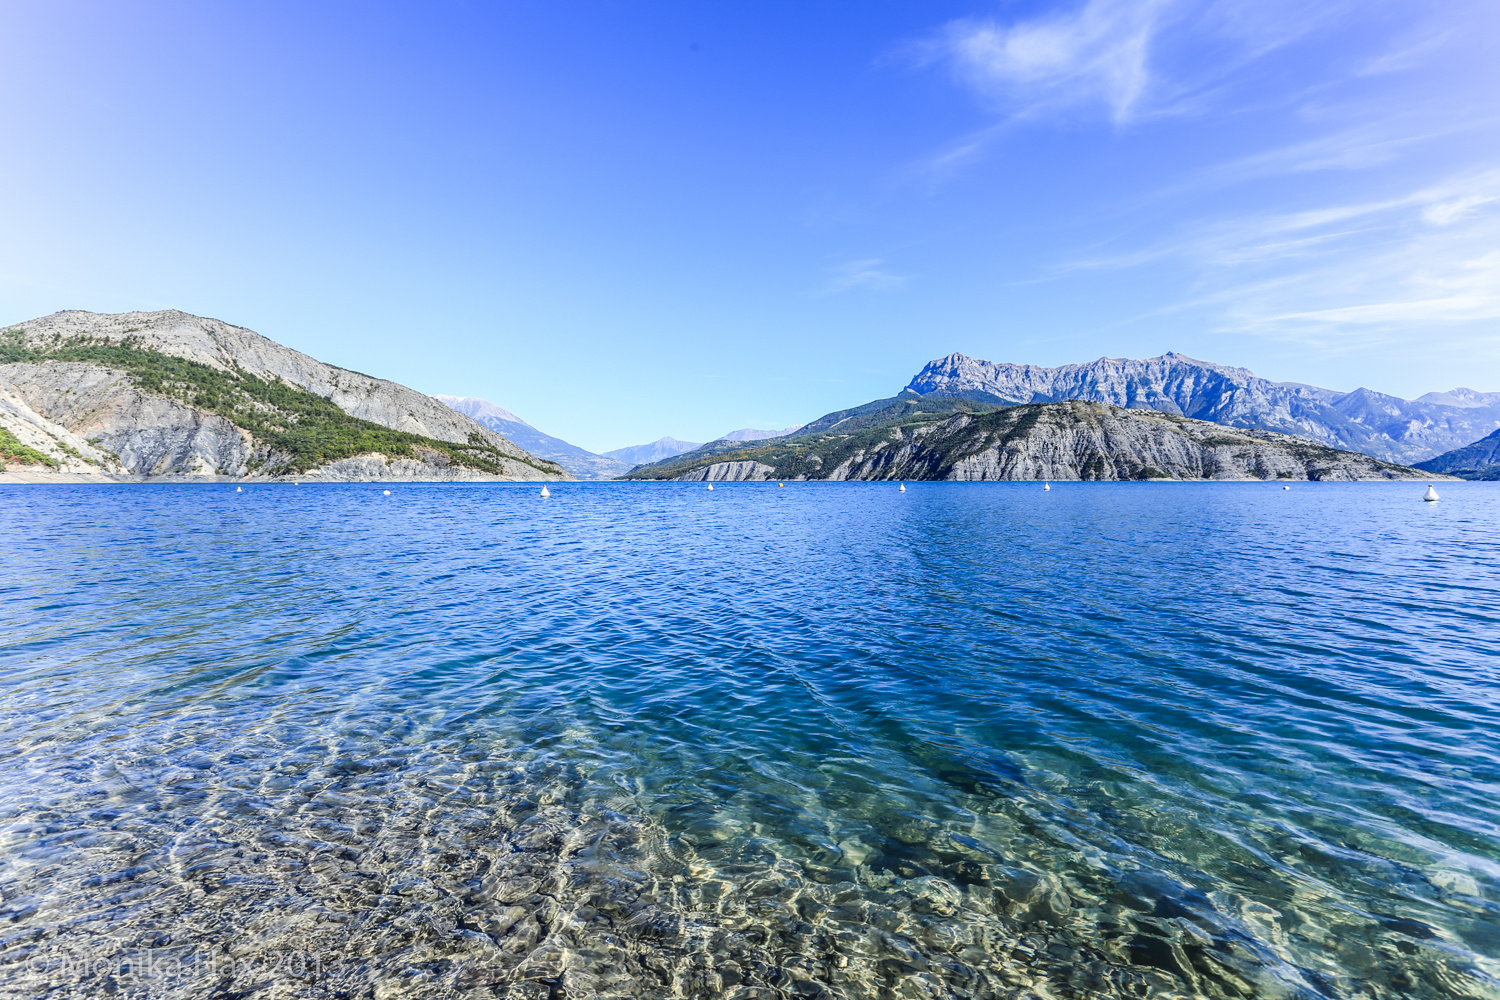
<point>1138,60</point>
<point>1132,58</point>
<point>865,274</point>
<point>1359,148</point>
<point>1097,54</point>
<point>1412,53</point>
<point>1445,213</point>
<point>1343,274</point>
<point>1441,204</point>
<point>1398,294</point>
<point>1410,250</point>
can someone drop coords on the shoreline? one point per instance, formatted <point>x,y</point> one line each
<point>31,478</point>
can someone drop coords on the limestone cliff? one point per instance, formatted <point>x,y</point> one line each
<point>1061,441</point>
<point>170,394</point>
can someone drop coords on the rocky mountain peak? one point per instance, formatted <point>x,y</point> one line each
<point>1367,421</point>
<point>480,409</point>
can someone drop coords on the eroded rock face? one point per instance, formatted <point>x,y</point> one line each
<point>731,472</point>
<point>71,453</point>
<point>1388,427</point>
<point>1100,442</point>
<point>223,346</point>
<point>62,407</point>
<point>434,469</point>
<point>1070,440</point>
<point>135,433</point>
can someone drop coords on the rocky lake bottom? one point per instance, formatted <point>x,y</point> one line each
<point>828,740</point>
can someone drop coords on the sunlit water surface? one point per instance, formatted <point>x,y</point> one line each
<point>831,740</point>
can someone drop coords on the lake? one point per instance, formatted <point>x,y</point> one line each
<point>826,740</point>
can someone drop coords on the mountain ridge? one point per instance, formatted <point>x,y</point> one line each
<point>581,462</point>
<point>1479,460</point>
<point>755,434</point>
<point>915,438</point>
<point>1377,424</point>
<point>654,451</point>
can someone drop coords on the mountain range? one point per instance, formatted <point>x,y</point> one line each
<point>1387,427</point>
<point>155,394</point>
<point>584,464</point>
<point>168,394</point>
<point>641,454</point>
<point>1480,460</point>
<point>139,395</point>
<point>911,436</point>
<point>1345,424</point>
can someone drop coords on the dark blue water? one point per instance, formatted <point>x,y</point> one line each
<point>822,741</point>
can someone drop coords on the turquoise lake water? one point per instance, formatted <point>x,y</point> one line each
<point>974,740</point>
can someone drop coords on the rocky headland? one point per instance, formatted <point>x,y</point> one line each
<point>909,437</point>
<point>140,396</point>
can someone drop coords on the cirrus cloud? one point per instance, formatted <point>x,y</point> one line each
<point>1099,53</point>
<point>866,274</point>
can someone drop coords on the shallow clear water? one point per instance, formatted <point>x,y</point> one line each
<point>823,741</point>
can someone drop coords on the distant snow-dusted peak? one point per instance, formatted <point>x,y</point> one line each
<point>1461,397</point>
<point>477,408</point>
<point>641,454</point>
<point>752,434</point>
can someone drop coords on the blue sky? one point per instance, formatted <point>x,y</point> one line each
<point>623,220</point>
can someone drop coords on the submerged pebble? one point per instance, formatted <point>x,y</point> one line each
<point>1113,748</point>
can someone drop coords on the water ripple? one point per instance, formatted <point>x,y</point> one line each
<point>1191,740</point>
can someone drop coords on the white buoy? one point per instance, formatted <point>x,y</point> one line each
<point>1431,493</point>
<point>296,484</point>
<point>1047,487</point>
<point>238,490</point>
<point>903,487</point>
<point>387,492</point>
<point>710,485</point>
<point>1286,487</point>
<point>545,492</point>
